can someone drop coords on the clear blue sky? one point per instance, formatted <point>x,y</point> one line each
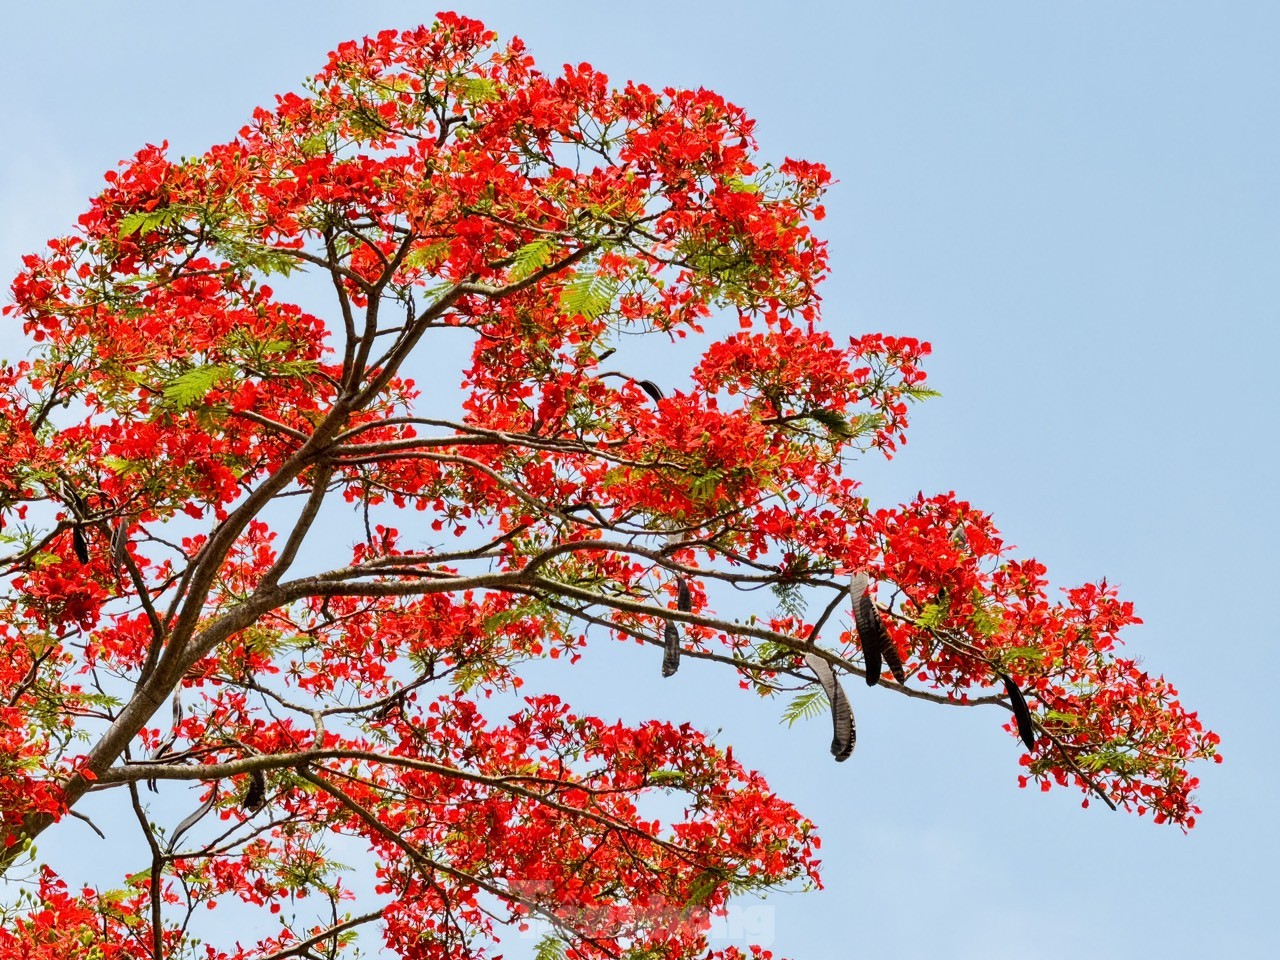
<point>1079,205</point>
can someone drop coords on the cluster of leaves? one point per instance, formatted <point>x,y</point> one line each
<point>182,433</point>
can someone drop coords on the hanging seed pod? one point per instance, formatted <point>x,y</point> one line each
<point>871,634</point>
<point>195,817</point>
<point>120,543</point>
<point>1021,713</point>
<point>651,388</point>
<point>845,732</point>
<point>671,649</point>
<point>894,661</point>
<point>256,795</point>
<point>79,545</point>
<point>684,603</point>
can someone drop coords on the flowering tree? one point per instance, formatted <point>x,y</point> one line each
<point>180,429</point>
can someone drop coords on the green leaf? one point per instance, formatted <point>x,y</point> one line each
<point>120,466</point>
<point>192,386</point>
<point>588,295</point>
<point>704,486</point>
<point>427,255</point>
<point>144,221</point>
<point>1022,653</point>
<point>255,256</point>
<point>1067,719</point>
<point>933,615</point>
<point>476,89</point>
<point>804,705</point>
<point>133,879</point>
<point>550,947</point>
<point>314,145</point>
<point>865,423</point>
<point>790,598</point>
<point>738,185</point>
<point>833,420</point>
<point>703,886</point>
<point>530,258</point>
<point>986,623</point>
<point>666,776</point>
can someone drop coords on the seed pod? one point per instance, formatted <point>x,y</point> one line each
<point>671,651</point>
<point>195,817</point>
<point>651,388</point>
<point>894,661</point>
<point>871,633</point>
<point>120,543</point>
<point>1021,713</point>
<point>256,795</point>
<point>684,603</point>
<point>158,755</point>
<point>844,729</point>
<point>79,545</point>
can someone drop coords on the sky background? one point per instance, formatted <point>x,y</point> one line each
<point>1078,204</point>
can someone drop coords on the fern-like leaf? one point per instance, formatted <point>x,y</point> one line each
<point>835,422</point>
<point>588,295</point>
<point>144,221</point>
<point>804,706</point>
<point>530,258</point>
<point>190,388</point>
<point>550,947</point>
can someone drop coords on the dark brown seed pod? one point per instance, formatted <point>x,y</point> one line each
<point>671,649</point>
<point>256,795</point>
<point>158,755</point>
<point>894,661</point>
<point>845,730</point>
<point>651,388</point>
<point>1021,713</point>
<point>79,545</point>
<point>120,543</point>
<point>871,633</point>
<point>684,603</point>
<point>195,817</point>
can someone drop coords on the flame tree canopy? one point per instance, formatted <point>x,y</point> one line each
<point>179,426</point>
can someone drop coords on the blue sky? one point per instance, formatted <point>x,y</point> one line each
<point>1078,205</point>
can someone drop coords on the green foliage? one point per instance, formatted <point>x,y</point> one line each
<point>703,487</point>
<point>144,221</point>
<point>427,255</point>
<point>588,295</point>
<point>790,597</point>
<point>917,392</point>
<point>1030,654</point>
<point>531,258</point>
<point>256,256</point>
<point>985,622</point>
<point>190,387</point>
<point>833,420</point>
<point>550,947</point>
<point>933,615</point>
<point>1109,758</point>
<point>1063,719</point>
<point>475,89</point>
<point>805,705</point>
<point>704,885</point>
